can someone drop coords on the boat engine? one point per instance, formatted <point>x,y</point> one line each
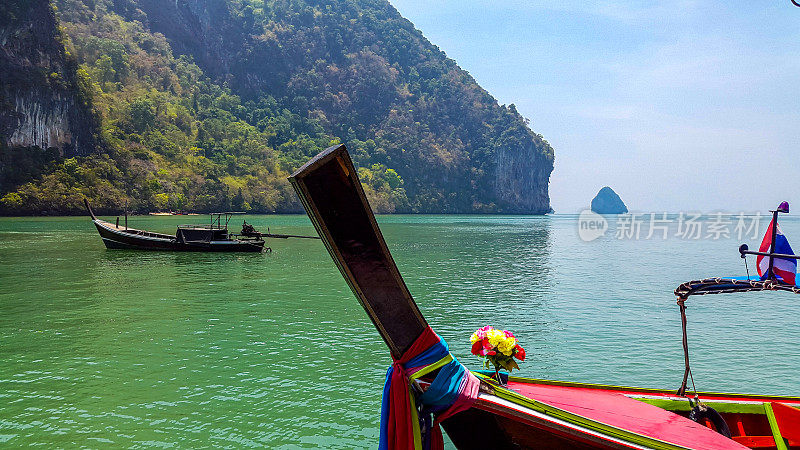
<point>249,230</point>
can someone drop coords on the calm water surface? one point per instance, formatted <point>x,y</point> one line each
<point>142,349</point>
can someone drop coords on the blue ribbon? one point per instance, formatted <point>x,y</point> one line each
<point>442,392</point>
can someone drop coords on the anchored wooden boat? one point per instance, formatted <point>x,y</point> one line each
<point>529,413</point>
<point>212,237</point>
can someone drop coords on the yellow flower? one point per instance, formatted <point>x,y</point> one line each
<point>495,337</point>
<point>506,346</point>
<point>474,338</point>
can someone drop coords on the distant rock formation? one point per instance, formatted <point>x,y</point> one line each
<point>608,202</point>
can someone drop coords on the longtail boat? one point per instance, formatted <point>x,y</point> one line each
<point>211,237</point>
<point>516,412</point>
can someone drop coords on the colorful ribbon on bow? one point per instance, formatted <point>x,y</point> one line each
<point>453,390</point>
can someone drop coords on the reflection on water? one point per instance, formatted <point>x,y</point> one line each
<point>178,349</point>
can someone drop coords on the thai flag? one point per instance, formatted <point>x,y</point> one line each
<point>784,269</point>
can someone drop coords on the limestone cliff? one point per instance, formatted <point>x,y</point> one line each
<point>522,176</point>
<point>40,101</point>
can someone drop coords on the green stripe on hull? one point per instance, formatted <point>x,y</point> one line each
<point>726,407</point>
<point>755,397</point>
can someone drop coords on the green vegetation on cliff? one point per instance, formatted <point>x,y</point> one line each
<point>210,104</point>
<point>45,107</point>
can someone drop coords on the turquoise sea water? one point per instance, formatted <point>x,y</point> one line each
<point>141,349</point>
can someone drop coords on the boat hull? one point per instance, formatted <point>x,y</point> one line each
<point>132,239</point>
<point>552,414</point>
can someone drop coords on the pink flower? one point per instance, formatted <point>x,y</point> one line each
<point>508,334</point>
<point>482,332</point>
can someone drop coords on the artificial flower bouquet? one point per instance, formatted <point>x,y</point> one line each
<point>499,347</point>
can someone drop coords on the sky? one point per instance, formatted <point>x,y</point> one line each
<point>682,105</point>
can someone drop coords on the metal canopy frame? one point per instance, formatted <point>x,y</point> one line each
<point>216,221</point>
<point>720,285</point>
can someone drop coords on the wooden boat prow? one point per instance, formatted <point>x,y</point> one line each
<point>526,413</point>
<point>332,194</point>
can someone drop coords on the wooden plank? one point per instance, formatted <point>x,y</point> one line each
<point>331,192</point>
<point>617,415</point>
<point>773,425</point>
<point>788,421</point>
